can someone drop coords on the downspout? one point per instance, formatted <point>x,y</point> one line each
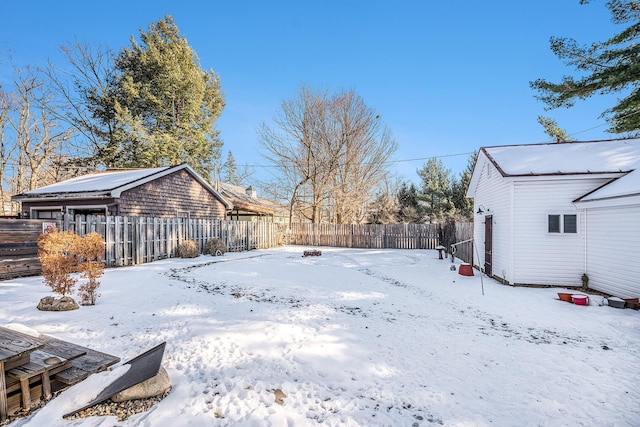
<point>586,217</point>
<point>512,228</point>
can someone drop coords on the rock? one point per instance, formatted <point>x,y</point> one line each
<point>53,360</point>
<point>279,394</point>
<point>154,386</point>
<point>64,303</point>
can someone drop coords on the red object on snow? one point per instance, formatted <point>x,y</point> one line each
<point>565,296</point>
<point>465,269</point>
<point>579,299</point>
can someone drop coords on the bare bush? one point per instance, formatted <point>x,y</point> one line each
<point>188,249</point>
<point>63,253</point>
<point>215,247</point>
<point>59,261</point>
<point>91,249</point>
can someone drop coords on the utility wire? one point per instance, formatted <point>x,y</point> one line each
<point>387,162</point>
<point>604,124</point>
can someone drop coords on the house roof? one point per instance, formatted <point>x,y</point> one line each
<point>96,181</point>
<point>243,201</point>
<point>560,159</point>
<point>618,191</point>
<point>110,184</point>
<point>566,158</point>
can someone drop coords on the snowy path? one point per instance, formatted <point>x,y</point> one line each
<point>353,338</point>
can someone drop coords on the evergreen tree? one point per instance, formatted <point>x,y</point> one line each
<point>435,192</point>
<point>604,67</point>
<point>150,105</point>
<point>552,129</point>
<point>463,205</point>
<point>230,170</point>
<point>168,104</point>
<point>409,209</point>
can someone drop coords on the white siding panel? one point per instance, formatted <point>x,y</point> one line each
<point>541,257</point>
<point>494,193</point>
<point>613,250</point>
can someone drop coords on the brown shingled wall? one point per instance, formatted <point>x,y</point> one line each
<point>163,197</point>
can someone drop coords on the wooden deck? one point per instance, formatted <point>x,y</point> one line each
<point>32,368</point>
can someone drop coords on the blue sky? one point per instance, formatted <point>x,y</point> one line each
<point>447,77</point>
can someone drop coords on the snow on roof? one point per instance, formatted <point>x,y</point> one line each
<point>241,199</point>
<point>627,185</point>
<point>566,158</point>
<point>98,181</point>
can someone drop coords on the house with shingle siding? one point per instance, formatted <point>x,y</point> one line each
<point>154,192</point>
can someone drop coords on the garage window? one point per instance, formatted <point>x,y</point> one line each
<point>562,223</point>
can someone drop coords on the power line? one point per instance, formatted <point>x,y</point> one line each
<point>387,162</point>
<point>604,124</point>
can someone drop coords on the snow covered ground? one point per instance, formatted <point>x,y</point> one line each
<point>353,338</point>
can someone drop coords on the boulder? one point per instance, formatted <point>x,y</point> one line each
<point>63,303</point>
<point>154,386</point>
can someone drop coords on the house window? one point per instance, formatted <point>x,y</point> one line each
<point>570,223</point>
<point>183,214</point>
<point>567,224</point>
<point>45,214</point>
<point>87,210</point>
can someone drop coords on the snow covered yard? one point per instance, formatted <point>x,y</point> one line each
<point>353,338</point>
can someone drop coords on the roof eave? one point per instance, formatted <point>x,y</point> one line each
<point>252,207</point>
<point>606,202</point>
<point>58,196</point>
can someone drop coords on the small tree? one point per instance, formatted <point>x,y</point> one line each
<point>57,255</point>
<point>90,251</point>
<point>435,192</point>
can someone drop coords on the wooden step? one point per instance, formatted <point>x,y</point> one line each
<point>72,376</point>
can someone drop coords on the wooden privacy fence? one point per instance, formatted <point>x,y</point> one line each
<point>19,247</point>
<point>129,240</point>
<point>465,249</point>
<point>137,240</point>
<point>380,236</point>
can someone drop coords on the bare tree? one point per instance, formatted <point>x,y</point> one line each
<point>298,151</point>
<point>365,146</point>
<point>85,94</point>
<point>329,153</point>
<point>38,137</point>
<point>6,150</point>
<point>384,208</point>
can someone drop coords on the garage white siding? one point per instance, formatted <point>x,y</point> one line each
<point>540,257</point>
<point>493,192</point>
<point>613,250</point>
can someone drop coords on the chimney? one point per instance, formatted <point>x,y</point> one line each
<point>251,192</point>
